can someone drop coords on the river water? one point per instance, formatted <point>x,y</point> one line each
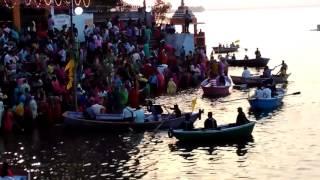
<point>285,143</point>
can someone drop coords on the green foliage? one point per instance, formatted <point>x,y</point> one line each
<point>160,9</point>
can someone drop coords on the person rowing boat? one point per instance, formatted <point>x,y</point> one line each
<point>283,69</point>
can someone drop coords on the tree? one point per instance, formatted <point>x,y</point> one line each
<point>160,9</point>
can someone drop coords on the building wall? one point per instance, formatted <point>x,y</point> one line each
<point>179,40</point>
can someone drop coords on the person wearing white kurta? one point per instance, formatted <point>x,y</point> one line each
<point>259,93</point>
<point>266,93</point>
<point>34,108</point>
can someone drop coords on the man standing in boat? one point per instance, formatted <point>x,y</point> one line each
<point>258,54</point>
<point>283,69</point>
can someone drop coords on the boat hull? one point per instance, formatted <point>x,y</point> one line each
<point>223,133</point>
<point>116,122</point>
<point>262,62</point>
<point>265,104</point>
<point>216,91</point>
<point>257,80</point>
<point>221,50</point>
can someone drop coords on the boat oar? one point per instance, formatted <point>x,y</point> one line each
<point>295,93</point>
<point>233,100</point>
<point>163,121</point>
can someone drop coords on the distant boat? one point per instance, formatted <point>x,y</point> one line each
<point>197,8</point>
<point>225,49</point>
<point>258,80</point>
<point>261,62</point>
<point>192,8</point>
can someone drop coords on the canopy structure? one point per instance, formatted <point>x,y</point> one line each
<point>178,17</point>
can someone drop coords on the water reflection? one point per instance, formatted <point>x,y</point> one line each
<point>186,149</point>
<point>59,154</point>
<point>265,114</point>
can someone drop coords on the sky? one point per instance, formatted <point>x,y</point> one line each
<point>237,4</point>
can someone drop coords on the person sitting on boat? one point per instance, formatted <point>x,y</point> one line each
<point>98,108</point>
<point>156,111</point>
<point>187,123</point>
<point>221,81</point>
<point>176,110</point>
<point>241,118</point>
<point>128,114</point>
<point>227,56</point>
<point>233,57</point>
<point>246,57</point>
<point>266,93</point>
<point>232,45</point>
<point>259,92</point>
<point>267,72</point>
<point>139,112</point>
<point>271,84</point>
<point>210,122</point>
<point>258,54</point>
<point>246,73</point>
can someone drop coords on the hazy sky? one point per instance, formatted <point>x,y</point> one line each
<point>231,4</point>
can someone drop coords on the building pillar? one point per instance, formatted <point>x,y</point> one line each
<point>17,16</point>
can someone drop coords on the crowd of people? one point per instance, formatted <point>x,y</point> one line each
<point>119,64</point>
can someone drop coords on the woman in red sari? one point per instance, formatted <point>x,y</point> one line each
<point>134,96</point>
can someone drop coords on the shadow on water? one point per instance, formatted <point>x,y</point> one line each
<point>240,145</point>
<point>262,114</point>
<point>58,154</point>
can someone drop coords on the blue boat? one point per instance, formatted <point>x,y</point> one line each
<point>267,103</point>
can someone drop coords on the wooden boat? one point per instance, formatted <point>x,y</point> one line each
<point>267,103</point>
<point>258,80</point>
<point>116,122</point>
<point>213,90</point>
<point>225,49</point>
<point>261,62</point>
<point>222,133</point>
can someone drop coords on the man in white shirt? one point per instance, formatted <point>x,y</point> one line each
<point>63,55</point>
<point>259,93</point>
<point>139,115</point>
<point>98,109</point>
<point>128,114</point>
<point>135,57</point>
<point>246,73</point>
<point>267,93</point>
